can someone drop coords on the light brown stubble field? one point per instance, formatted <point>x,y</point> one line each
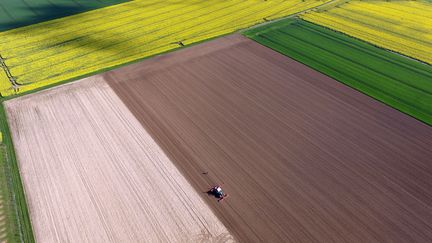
<point>92,173</point>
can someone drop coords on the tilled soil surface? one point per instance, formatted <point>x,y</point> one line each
<point>91,173</point>
<point>302,157</point>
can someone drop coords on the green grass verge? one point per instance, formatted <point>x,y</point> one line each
<point>400,82</point>
<point>10,182</point>
<point>19,13</point>
<point>9,230</point>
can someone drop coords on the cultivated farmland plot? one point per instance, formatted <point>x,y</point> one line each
<point>92,173</point>
<point>401,26</point>
<point>303,157</point>
<point>66,48</point>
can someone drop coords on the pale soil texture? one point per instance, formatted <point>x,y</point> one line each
<point>93,174</point>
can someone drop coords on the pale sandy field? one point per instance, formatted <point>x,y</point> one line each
<point>93,174</point>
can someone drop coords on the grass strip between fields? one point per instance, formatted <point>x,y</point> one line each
<point>400,82</point>
<point>19,218</point>
<point>8,223</point>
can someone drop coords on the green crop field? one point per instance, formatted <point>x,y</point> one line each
<point>8,229</point>
<point>400,82</point>
<point>18,13</point>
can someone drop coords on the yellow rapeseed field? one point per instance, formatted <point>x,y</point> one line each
<point>4,81</point>
<point>401,26</point>
<point>70,47</point>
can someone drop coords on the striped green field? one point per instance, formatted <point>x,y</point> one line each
<point>400,82</point>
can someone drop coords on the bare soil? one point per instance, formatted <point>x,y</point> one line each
<point>92,173</point>
<point>303,157</point>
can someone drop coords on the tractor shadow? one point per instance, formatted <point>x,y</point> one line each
<point>210,193</point>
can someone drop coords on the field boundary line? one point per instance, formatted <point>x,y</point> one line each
<point>370,43</point>
<point>414,69</point>
<point>11,78</point>
<point>294,15</point>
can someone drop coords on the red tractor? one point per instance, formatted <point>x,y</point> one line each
<point>217,192</point>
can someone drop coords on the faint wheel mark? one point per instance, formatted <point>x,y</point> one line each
<point>206,237</point>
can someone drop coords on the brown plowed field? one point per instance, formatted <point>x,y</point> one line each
<point>91,173</point>
<point>303,157</point>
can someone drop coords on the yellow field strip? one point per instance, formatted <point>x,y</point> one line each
<point>4,81</point>
<point>402,26</point>
<point>62,49</point>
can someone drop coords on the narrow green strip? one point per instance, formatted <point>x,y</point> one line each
<point>15,188</point>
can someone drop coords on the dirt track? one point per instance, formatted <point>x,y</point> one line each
<point>303,157</point>
<point>92,173</point>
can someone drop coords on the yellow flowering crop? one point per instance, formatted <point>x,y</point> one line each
<point>401,26</point>
<point>70,47</point>
<point>4,81</point>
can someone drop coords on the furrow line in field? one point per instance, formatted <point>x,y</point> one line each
<point>366,50</point>
<point>9,75</point>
